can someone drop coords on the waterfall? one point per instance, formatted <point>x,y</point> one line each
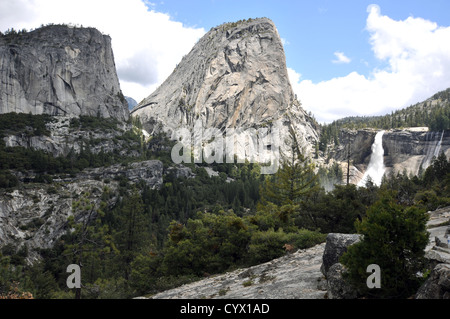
<point>438,146</point>
<point>376,166</point>
<point>432,151</point>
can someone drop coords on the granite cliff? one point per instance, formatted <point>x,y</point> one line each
<point>234,77</point>
<point>60,70</point>
<point>409,149</point>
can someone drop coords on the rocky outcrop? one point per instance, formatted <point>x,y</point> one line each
<point>234,77</point>
<point>333,270</point>
<point>437,253</point>
<point>357,144</point>
<point>336,246</point>
<point>37,216</point>
<point>150,172</point>
<point>337,286</point>
<point>293,276</point>
<point>63,139</point>
<point>437,285</point>
<point>60,70</point>
<point>413,149</point>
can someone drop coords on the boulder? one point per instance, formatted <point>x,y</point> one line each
<point>437,286</point>
<point>337,286</point>
<point>336,246</point>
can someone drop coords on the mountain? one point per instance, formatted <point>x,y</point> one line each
<point>234,77</point>
<point>131,102</point>
<point>60,70</point>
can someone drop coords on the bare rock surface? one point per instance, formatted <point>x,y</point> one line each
<point>293,276</point>
<point>60,70</point>
<point>234,77</point>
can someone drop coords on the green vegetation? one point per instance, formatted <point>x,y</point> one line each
<point>147,240</point>
<point>27,124</point>
<point>394,238</point>
<point>45,165</point>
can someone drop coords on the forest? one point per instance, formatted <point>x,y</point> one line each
<point>155,239</point>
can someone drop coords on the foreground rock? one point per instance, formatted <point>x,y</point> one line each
<point>437,285</point>
<point>333,270</point>
<point>294,276</point>
<point>336,246</point>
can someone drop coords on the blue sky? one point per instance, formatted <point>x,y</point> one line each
<point>344,57</point>
<point>314,30</point>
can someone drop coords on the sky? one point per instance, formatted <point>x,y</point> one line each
<point>344,57</point>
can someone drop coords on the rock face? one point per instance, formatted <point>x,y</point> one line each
<point>333,270</point>
<point>410,149</point>
<point>234,77</point>
<point>437,253</point>
<point>60,70</point>
<point>437,285</point>
<point>338,288</point>
<point>37,216</point>
<point>63,138</point>
<point>413,149</point>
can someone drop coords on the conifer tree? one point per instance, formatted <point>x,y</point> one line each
<point>394,238</point>
<point>290,185</point>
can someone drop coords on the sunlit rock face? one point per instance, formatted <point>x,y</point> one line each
<point>234,77</point>
<point>60,70</point>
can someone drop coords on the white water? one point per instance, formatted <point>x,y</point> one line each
<point>432,151</point>
<point>438,146</point>
<point>376,166</point>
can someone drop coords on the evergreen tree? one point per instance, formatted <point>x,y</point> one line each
<point>394,238</point>
<point>132,235</point>
<point>293,181</point>
<point>88,237</point>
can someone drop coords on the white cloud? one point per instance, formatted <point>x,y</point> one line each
<point>147,44</point>
<point>417,53</point>
<point>341,58</point>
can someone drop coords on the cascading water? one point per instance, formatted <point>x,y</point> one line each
<point>376,166</point>
<point>432,150</point>
<point>438,146</point>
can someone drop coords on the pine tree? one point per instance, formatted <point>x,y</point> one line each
<point>289,186</point>
<point>133,234</point>
<point>90,238</point>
